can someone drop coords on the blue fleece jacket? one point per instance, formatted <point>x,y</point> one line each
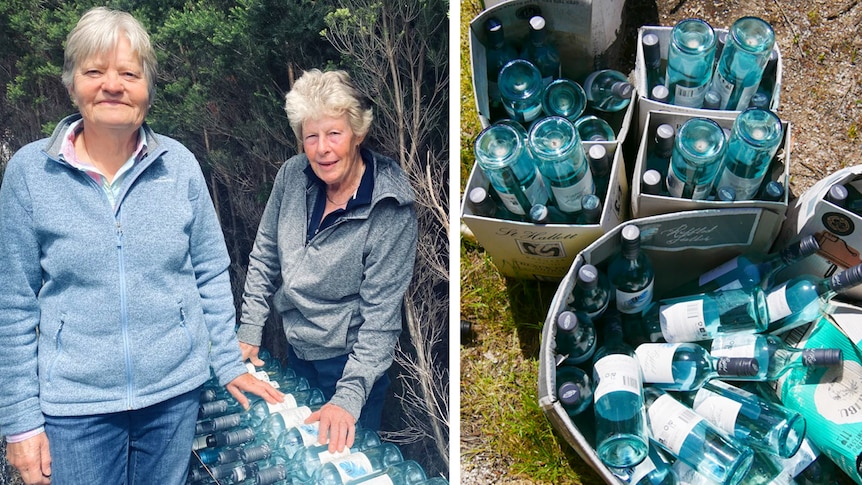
<point>108,309</point>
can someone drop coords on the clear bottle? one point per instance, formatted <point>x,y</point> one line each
<point>749,418</point>
<point>694,441</point>
<point>591,210</point>
<point>687,366</point>
<point>574,389</point>
<point>408,472</point>
<point>754,140</point>
<point>600,166</point>
<point>696,159</point>
<point>651,183</point>
<point>654,470</point>
<point>774,357</point>
<point>621,429</point>
<point>592,291</point>
<point>565,98</point>
<point>576,337</point>
<point>652,61</point>
<point>593,128</point>
<point>690,58</point>
<point>631,273</point>
<point>658,155</point>
<point>749,44</point>
<point>223,422</point>
<point>498,53</point>
<point>608,90</point>
<point>559,155</point>
<point>521,88</point>
<point>802,299</point>
<point>543,54</point>
<point>355,465</point>
<point>503,156</point>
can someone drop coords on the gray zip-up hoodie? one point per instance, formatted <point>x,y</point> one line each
<point>342,292</point>
<point>106,309</point>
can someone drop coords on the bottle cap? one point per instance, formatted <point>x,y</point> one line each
<point>846,279</point>
<point>806,246</point>
<point>599,163</point>
<point>773,190</point>
<point>477,195</point>
<point>272,474</point>
<point>726,194</point>
<point>569,394</point>
<point>837,195</point>
<point>588,276</point>
<point>630,241</point>
<point>493,24</point>
<point>539,213</point>
<point>822,357</point>
<point>251,454</point>
<point>711,100</point>
<point>567,321</point>
<point>660,93</point>
<point>537,22</point>
<point>652,50</point>
<point>622,89</point>
<point>737,366</point>
<point>652,182</point>
<point>591,205</point>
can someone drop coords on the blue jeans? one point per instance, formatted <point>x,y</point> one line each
<point>324,374</point>
<point>144,446</point>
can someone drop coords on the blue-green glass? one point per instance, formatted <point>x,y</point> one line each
<point>560,157</point>
<point>358,465</point>
<point>654,470</point>
<point>659,153</point>
<point>696,159</point>
<point>575,338</point>
<point>498,53</point>
<point>801,299</point>
<point>690,365</point>
<point>592,291</point>
<point>521,89</point>
<point>690,58</point>
<point>608,90</point>
<point>774,358</point>
<point>704,447</point>
<point>592,128</point>
<point>652,61</point>
<point>505,160</point>
<point>631,273</point>
<point>754,140</point>
<point>574,389</point>
<point>742,62</point>
<point>564,98</point>
<point>543,54</point>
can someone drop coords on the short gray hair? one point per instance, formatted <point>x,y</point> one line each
<point>316,94</point>
<point>97,32</point>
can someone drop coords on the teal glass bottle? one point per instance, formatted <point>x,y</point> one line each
<point>591,210</point>
<point>696,159</point>
<point>631,273</point>
<point>408,472</point>
<point>559,155</point>
<point>565,98</point>
<point>574,389</point>
<point>690,57</point>
<point>593,128</point>
<point>591,293</point>
<point>654,470</point>
<point>694,441</point>
<point>503,156</point>
<point>608,90</point>
<point>737,75</point>
<point>498,53</point>
<point>576,337</point>
<point>521,89</point>
<point>356,465</point>
<point>686,366</point>
<point>652,61</point>
<point>620,419</point>
<point>303,435</point>
<point>748,418</point>
<point>774,357</point>
<point>600,166</point>
<point>658,155</point>
<point>754,140</point>
<point>542,53</point>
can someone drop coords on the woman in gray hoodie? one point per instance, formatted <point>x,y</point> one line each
<point>334,255</point>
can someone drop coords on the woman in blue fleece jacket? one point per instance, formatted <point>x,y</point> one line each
<point>334,254</point>
<point>115,293</point>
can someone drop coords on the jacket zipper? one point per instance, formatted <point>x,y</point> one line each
<point>124,321</point>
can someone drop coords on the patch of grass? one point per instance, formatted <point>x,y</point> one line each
<point>852,132</point>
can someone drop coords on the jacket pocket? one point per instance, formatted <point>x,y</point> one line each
<point>58,347</point>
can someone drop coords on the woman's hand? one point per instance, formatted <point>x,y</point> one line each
<point>250,383</point>
<point>249,353</point>
<point>32,458</point>
<point>336,426</point>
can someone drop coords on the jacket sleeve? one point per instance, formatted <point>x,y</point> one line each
<point>264,268</point>
<point>21,277</point>
<point>211,264</point>
<point>391,252</point>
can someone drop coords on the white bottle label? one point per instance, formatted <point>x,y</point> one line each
<point>511,203</point>
<point>617,372</point>
<point>295,417</point>
<point>289,403</point>
<point>569,198</point>
<point>734,345</point>
<point>718,410</point>
<point>326,456</point>
<point>777,305</point>
<point>656,361</point>
<point>308,433</point>
<point>671,422</point>
<point>683,322</point>
<point>634,302</point>
<point>353,466</point>
<point>745,187</point>
<point>714,273</point>
<point>724,88</point>
<point>689,97</point>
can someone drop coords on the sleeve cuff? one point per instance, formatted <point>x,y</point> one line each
<point>17,438</point>
<point>250,334</point>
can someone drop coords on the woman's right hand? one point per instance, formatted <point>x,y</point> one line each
<point>249,352</point>
<point>32,458</point>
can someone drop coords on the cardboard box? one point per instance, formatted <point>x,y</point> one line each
<point>544,252</point>
<point>645,105</point>
<point>680,246</point>
<point>585,32</point>
<point>644,205</point>
<point>838,230</point>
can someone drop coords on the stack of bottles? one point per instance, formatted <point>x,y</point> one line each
<point>533,154</point>
<point>731,71</point>
<point>271,444</point>
<point>669,386</point>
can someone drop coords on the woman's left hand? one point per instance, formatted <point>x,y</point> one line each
<point>336,425</point>
<point>250,383</point>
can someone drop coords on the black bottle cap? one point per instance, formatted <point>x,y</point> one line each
<point>737,366</point>
<point>588,276</point>
<point>569,394</point>
<point>822,357</point>
<point>567,321</point>
<point>272,474</point>
<point>652,50</point>
<point>599,164</point>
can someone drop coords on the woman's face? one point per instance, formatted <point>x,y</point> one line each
<point>110,89</point>
<point>332,149</point>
